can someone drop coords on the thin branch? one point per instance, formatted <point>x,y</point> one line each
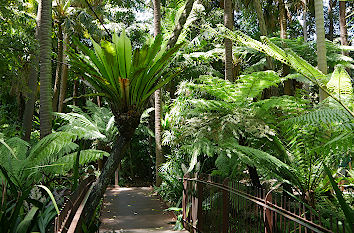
<point>91,8</point>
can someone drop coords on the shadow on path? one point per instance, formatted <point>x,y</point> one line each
<point>134,210</point>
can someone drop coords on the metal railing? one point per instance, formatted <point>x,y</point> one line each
<point>214,205</point>
<point>64,219</point>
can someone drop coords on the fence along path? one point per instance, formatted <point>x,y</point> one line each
<point>214,205</point>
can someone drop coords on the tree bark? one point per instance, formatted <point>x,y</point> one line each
<point>288,84</point>
<point>126,124</point>
<point>158,151</point>
<point>181,21</point>
<point>45,29</point>
<point>229,23</point>
<point>304,18</point>
<point>64,77</point>
<point>321,42</point>
<point>343,25</point>
<point>32,86</point>
<point>58,72</point>
<point>330,17</point>
<point>262,27</point>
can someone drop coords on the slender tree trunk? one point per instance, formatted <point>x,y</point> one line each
<point>181,21</point>
<point>304,18</point>
<point>175,35</point>
<point>229,23</point>
<point>126,123</point>
<point>262,27</point>
<point>343,25</point>
<point>32,86</point>
<point>31,98</point>
<point>158,101</point>
<point>288,84</point>
<point>45,110</point>
<point>58,72</point>
<point>330,17</point>
<point>321,42</point>
<point>76,92</point>
<point>64,77</point>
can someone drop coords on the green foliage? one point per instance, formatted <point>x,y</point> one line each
<point>125,78</point>
<point>348,211</point>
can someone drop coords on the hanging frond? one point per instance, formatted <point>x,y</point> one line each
<point>65,163</point>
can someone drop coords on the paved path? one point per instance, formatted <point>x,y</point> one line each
<point>135,210</point>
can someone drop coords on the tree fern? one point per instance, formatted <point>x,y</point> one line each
<point>66,163</point>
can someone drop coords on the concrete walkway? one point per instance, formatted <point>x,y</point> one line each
<point>134,210</point>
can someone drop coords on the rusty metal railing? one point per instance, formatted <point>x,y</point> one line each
<point>64,219</point>
<point>214,205</point>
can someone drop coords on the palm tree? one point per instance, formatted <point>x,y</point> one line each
<point>127,81</point>
<point>321,41</point>
<point>158,100</point>
<point>229,23</point>
<point>45,48</point>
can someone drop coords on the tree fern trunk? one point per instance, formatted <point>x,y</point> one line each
<point>229,23</point>
<point>58,70</point>
<point>343,25</point>
<point>321,42</point>
<point>45,30</point>
<point>65,72</point>
<point>330,17</point>
<point>288,84</point>
<point>181,21</point>
<point>159,155</point>
<point>304,18</point>
<point>262,27</point>
<point>32,86</point>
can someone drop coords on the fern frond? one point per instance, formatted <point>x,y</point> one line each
<point>51,148</point>
<point>65,163</point>
<point>337,118</point>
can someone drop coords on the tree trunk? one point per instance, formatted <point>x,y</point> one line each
<point>181,21</point>
<point>229,23</point>
<point>288,84</point>
<point>330,17</point>
<point>76,92</point>
<point>31,98</point>
<point>32,86</point>
<point>343,25</point>
<point>304,18</point>
<point>126,124</point>
<point>321,42</point>
<point>262,27</point>
<point>45,30</point>
<point>58,72</point>
<point>64,77</point>
<point>159,155</point>
<point>254,176</point>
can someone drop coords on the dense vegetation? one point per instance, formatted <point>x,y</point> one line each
<point>259,91</point>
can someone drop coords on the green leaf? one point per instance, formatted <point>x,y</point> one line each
<point>26,222</point>
<point>347,210</point>
<point>51,197</point>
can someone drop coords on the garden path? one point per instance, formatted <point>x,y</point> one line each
<point>135,209</point>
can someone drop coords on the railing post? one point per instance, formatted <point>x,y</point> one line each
<point>225,209</point>
<point>200,201</point>
<point>195,205</point>
<point>185,201</point>
<point>268,215</point>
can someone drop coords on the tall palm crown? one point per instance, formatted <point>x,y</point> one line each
<point>126,78</point>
